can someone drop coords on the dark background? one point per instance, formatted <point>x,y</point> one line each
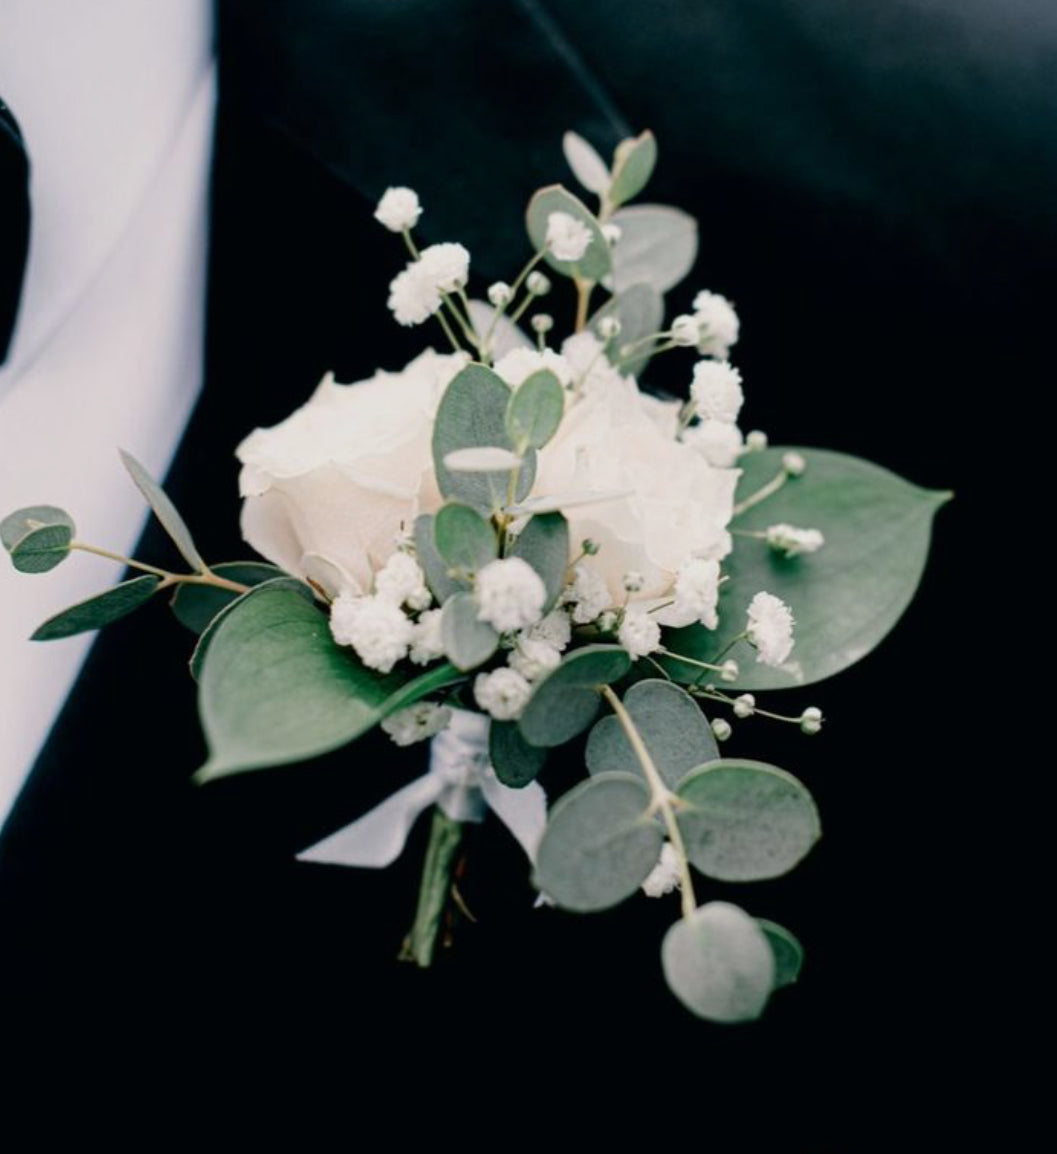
<point>873,185</point>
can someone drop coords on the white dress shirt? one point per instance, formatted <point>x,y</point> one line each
<point>115,99</point>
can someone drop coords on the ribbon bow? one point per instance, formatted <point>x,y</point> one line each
<point>461,781</point>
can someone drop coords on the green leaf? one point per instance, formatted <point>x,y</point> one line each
<point>275,688</point>
<point>719,964</point>
<point>505,337</point>
<point>600,844</point>
<point>657,246</point>
<point>640,310</point>
<point>441,584</point>
<point>746,821</point>
<point>544,544</point>
<point>588,167</point>
<point>196,605</point>
<point>566,701</point>
<point>472,414</point>
<point>671,724</point>
<point>535,411</point>
<point>164,510</point>
<point>633,164</point>
<point>100,610</point>
<point>38,537</point>
<point>594,264</point>
<point>788,953</point>
<point>847,596</point>
<point>198,655</point>
<point>464,539</point>
<point>467,641</point>
<point>515,762</point>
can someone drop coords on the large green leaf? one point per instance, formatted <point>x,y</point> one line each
<point>464,539</point>
<point>467,641</point>
<point>471,414</point>
<point>441,583</point>
<point>594,264</point>
<point>657,246</point>
<point>100,610</point>
<point>672,725</point>
<point>847,596</point>
<point>746,821</point>
<point>164,510</point>
<point>515,762</point>
<point>600,843</point>
<point>544,544</point>
<point>788,952</point>
<point>633,164</point>
<point>588,167</point>
<point>566,701</point>
<point>535,411</point>
<point>196,605</point>
<point>275,688</point>
<point>38,537</point>
<point>719,964</point>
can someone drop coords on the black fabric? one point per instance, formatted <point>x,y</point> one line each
<point>14,223</point>
<point>872,188</point>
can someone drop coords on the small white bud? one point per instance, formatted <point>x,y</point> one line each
<point>398,209</point>
<point>612,232</point>
<point>756,441</point>
<point>538,283</point>
<point>500,294</point>
<point>608,328</point>
<point>811,720</point>
<point>542,323</point>
<point>589,547</point>
<point>745,705</point>
<point>794,464</point>
<point>633,581</point>
<point>685,331</point>
<point>729,671</point>
<point>721,729</point>
<point>607,621</point>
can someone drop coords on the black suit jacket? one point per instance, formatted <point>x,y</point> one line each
<point>873,187</point>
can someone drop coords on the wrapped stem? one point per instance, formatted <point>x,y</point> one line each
<point>445,836</point>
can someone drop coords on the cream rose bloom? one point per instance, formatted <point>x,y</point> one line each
<point>327,490</point>
<point>677,505</point>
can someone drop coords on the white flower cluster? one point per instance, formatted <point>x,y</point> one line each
<point>567,238</point>
<point>716,391</point>
<point>503,693</point>
<point>696,593</point>
<point>588,595</point>
<point>791,541</point>
<point>639,633</point>
<point>770,628</point>
<point>398,209</point>
<point>416,293</point>
<point>664,877</point>
<point>717,324</point>
<point>418,722</point>
<point>510,594</point>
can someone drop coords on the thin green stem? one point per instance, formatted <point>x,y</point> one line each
<point>439,314</point>
<point>444,837</point>
<point>662,798</point>
<point>691,661</point>
<point>762,494</point>
<point>207,577</point>
<point>519,280</point>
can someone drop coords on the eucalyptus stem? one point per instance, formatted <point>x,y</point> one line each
<point>662,798</point>
<point>206,577</point>
<point>445,834</point>
<point>584,288</point>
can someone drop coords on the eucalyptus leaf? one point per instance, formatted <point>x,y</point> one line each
<point>100,610</point>
<point>745,820</point>
<point>719,964</point>
<point>788,953</point>
<point>544,544</point>
<point>442,585</point>
<point>600,844</point>
<point>657,246</point>
<point>464,539</point>
<point>515,762</point>
<point>485,459</point>
<point>566,701</point>
<point>472,414</point>
<point>165,511</point>
<point>196,605</point>
<point>588,167</point>
<point>847,596</point>
<point>595,262</point>
<point>633,164</point>
<point>275,688</point>
<point>535,410</point>
<point>640,310</point>
<point>506,336</point>
<point>671,724</point>
<point>467,641</point>
<point>38,537</point>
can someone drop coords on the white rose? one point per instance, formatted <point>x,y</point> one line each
<point>616,439</point>
<point>328,489</point>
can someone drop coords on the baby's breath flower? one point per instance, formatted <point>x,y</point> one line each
<point>376,628</point>
<point>534,658</point>
<point>718,442</point>
<point>417,722</point>
<point>756,441</point>
<point>664,877</point>
<point>503,693</point>
<point>446,266</point>
<point>413,297</point>
<point>500,294</point>
<point>612,232</point>
<point>790,540</point>
<point>697,591</point>
<point>398,209</point>
<point>811,719</point>
<point>402,582</point>
<point>721,729</point>
<point>567,237</point>
<point>770,628</point>
<point>509,593</point>
<point>426,642</point>
<point>538,283</point>
<point>542,323</point>
<point>745,705</point>
<point>555,629</point>
<point>718,323</point>
<point>633,581</point>
<point>716,391</point>
<point>608,328</point>
<point>588,594</point>
<point>685,331</point>
<point>639,634</point>
<point>729,670</point>
<point>793,463</point>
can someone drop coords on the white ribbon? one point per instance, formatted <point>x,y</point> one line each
<point>461,781</point>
